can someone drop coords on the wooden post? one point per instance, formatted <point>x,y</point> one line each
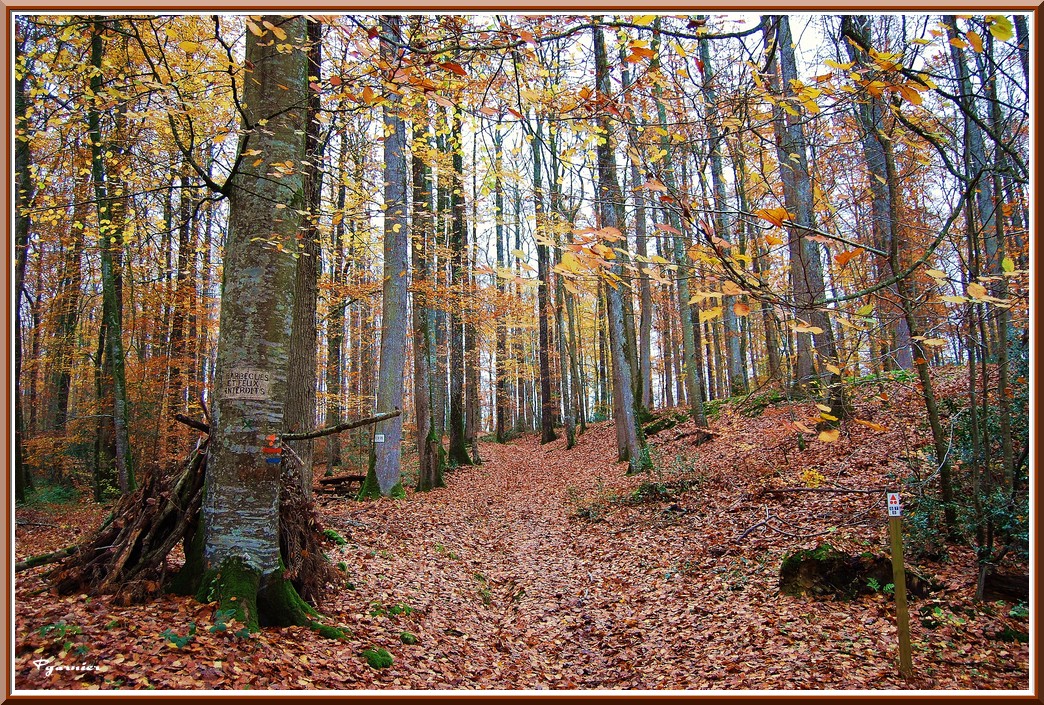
<point>895,530</point>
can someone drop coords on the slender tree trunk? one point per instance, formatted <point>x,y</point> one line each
<point>644,284</point>
<point>444,219</point>
<point>335,332</point>
<point>632,448</point>
<point>25,189</point>
<point>870,114</point>
<point>733,354</point>
<point>110,238</point>
<point>667,348</point>
<point>385,456</point>
<point>1000,283</point>
<point>430,454</point>
<point>805,263</point>
<point>458,450</point>
<point>690,344</point>
<point>501,353</point>
<point>901,258</point>
<point>547,404</point>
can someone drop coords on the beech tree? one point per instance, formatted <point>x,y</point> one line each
<point>385,458</point>
<point>629,434</point>
<point>241,562</point>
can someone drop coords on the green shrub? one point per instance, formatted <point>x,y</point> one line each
<point>55,494</point>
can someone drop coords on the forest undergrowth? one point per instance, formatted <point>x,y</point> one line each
<point>551,569</point>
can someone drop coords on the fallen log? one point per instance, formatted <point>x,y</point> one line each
<point>46,558</point>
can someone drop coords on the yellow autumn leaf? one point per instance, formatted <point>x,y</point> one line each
<point>977,291</point>
<point>912,97</point>
<point>1000,27</point>
<point>935,273</point>
<point>975,40</point>
<point>570,262</point>
<point>776,216</point>
<point>277,31</point>
<point>833,368</point>
<point>871,424</point>
<point>829,435</point>
<point>188,47</point>
<point>741,309</point>
<point>729,288</point>
<point>954,299</point>
<point>835,65</point>
<point>823,407</point>
<point>710,314</point>
<point>644,20</point>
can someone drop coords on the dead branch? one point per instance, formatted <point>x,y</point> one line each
<point>832,490</point>
<point>340,427</point>
<point>198,425</point>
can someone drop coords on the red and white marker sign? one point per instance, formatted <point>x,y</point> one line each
<point>895,509</point>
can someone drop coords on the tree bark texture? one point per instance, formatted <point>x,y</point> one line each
<point>240,508</point>
<point>387,455</point>
<point>302,377</point>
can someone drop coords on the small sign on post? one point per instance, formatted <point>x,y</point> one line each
<point>895,530</point>
<point>895,509</point>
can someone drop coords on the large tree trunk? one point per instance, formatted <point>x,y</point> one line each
<point>240,511</point>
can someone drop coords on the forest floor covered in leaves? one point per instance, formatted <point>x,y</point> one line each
<point>546,568</point>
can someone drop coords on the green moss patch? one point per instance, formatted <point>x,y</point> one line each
<point>377,658</point>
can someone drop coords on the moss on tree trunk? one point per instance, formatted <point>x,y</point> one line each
<point>371,488</point>
<point>254,600</point>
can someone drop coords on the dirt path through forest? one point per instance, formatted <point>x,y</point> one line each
<point>517,583</point>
